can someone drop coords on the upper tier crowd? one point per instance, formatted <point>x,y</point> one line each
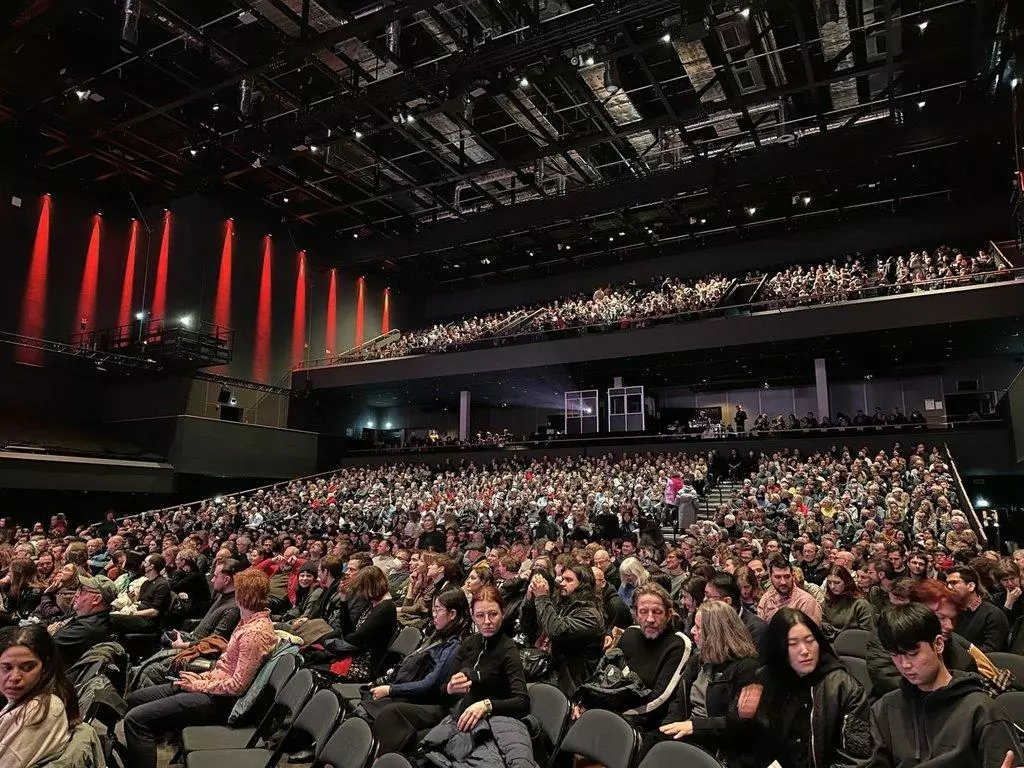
<point>632,305</point>
<point>554,570</point>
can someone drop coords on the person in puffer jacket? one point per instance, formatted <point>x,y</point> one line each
<point>938,717</point>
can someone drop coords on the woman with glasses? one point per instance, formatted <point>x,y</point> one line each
<point>488,680</point>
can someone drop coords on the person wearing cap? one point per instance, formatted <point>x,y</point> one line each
<point>91,624</point>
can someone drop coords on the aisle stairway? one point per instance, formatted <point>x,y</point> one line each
<point>709,503</point>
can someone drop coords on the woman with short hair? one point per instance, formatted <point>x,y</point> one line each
<point>206,698</point>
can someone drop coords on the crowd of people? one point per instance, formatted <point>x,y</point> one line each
<point>545,570</point>
<point>634,306</point>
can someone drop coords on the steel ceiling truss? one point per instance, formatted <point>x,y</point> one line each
<point>332,70</point>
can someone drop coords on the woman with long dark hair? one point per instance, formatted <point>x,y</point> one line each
<point>488,679</point>
<point>812,711</point>
<point>844,606</point>
<point>42,706</point>
<point>424,670</point>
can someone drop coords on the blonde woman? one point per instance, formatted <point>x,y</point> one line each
<point>705,710</point>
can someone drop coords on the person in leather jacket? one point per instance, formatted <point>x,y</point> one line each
<point>812,712</point>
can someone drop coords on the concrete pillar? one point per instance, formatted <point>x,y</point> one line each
<point>821,387</point>
<point>464,401</point>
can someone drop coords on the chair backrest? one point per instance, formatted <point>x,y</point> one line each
<point>859,669</point>
<point>671,754</point>
<point>283,670</point>
<point>552,710</point>
<point>287,703</point>
<point>406,641</point>
<point>852,642</point>
<point>316,721</point>
<point>1013,703</point>
<point>352,745</point>
<point>1010,661</point>
<point>392,760</point>
<point>603,737</point>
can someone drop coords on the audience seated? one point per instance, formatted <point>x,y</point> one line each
<point>488,681</point>
<point>207,698</point>
<point>633,306</point>
<point>534,544</point>
<point>42,706</point>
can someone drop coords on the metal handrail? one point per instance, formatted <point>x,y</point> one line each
<point>965,499</point>
<point>888,291</point>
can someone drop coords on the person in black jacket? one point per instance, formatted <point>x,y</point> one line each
<point>431,539</point>
<point>723,586</point>
<point>365,640</point>
<point>489,679</point>
<point>937,717</point>
<point>91,625</point>
<point>979,621</point>
<point>812,712</point>
<point>616,614</point>
<point>190,585</point>
<point>571,628</point>
<point>704,711</point>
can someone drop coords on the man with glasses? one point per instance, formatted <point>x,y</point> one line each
<point>91,624</point>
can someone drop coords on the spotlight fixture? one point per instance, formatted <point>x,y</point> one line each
<point>703,221</point>
<point>807,199</point>
<point>140,315</point>
<point>745,13</point>
<point>193,152</point>
<point>369,425</point>
<point>611,238</point>
<point>765,385</point>
<point>186,321</point>
<point>358,135</point>
<point>82,93</point>
<point>666,38</point>
<point>523,82</point>
<point>751,210</point>
<point>921,104</point>
<point>387,425</point>
<point>622,234</point>
<point>314,148</point>
<point>284,199</point>
<point>410,118</point>
<point>485,261</point>
<point>355,235</point>
<point>922,25</point>
<point>216,107</point>
<point>1014,82</point>
<point>590,61</point>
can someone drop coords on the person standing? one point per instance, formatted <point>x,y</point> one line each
<point>937,717</point>
<point>740,419</point>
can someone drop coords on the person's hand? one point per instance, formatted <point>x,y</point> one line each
<point>1013,596</point>
<point>750,698</point>
<point>1010,759</point>
<point>459,684</point>
<point>677,730</point>
<point>299,622</point>
<point>539,586</point>
<point>186,680</point>
<point>380,692</point>
<point>577,711</point>
<point>183,595</point>
<point>471,716</point>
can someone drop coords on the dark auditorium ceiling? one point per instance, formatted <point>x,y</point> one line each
<point>490,139</point>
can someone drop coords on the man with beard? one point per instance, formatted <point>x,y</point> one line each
<point>656,654</point>
<point>784,593</point>
<point>571,628</point>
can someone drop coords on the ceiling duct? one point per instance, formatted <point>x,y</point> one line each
<point>617,103</point>
<point>699,69</point>
<point>834,25</point>
<point>516,113</point>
